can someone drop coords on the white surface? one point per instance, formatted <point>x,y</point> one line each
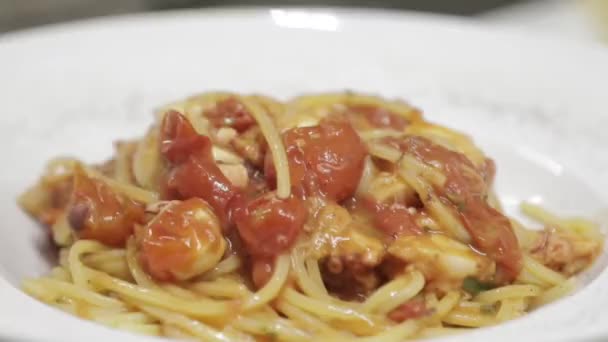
<point>537,106</point>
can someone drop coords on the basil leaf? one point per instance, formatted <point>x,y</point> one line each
<point>474,286</point>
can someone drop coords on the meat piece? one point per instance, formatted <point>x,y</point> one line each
<point>465,189</point>
<point>230,113</point>
<point>441,259</point>
<point>338,236</point>
<point>565,251</point>
<point>251,146</point>
<point>193,171</point>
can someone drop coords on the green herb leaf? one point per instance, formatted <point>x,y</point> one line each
<point>488,309</point>
<point>474,286</point>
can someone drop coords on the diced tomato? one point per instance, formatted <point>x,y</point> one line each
<point>182,241</point>
<point>96,212</point>
<point>488,171</point>
<point>411,309</point>
<point>231,113</point>
<point>193,171</point>
<point>380,117</point>
<point>261,271</point>
<point>392,219</point>
<point>466,188</point>
<point>269,225</point>
<point>492,233</point>
<point>49,216</point>
<point>324,160</point>
<point>178,139</point>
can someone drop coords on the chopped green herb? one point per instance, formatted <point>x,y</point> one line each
<point>270,334</point>
<point>488,309</point>
<point>474,286</point>
<point>461,206</point>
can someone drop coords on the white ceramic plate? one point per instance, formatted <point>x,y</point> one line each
<point>538,106</point>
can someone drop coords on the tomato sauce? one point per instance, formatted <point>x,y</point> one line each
<point>392,219</point>
<point>230,113</point>
<point>269,225</point>
<point>192,170</point>
<point>324,160</point>
<point>97,212</point>
<point>177,237</point>
<point>411,309</point>
<point>261,271</point>
<point>466,189</point>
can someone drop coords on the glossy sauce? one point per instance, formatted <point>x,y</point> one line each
<point>324,160</point>
<point>269,225</point>
<point>230,113</point>
<point>392,218</point>
<point>181,236</point>
<point>466,190</point>
<point>97,212</point>
<point>261,271</point>
<point>412,309</point>
<point>192,169</point>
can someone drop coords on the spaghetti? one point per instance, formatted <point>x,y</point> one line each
<point>336,216</point>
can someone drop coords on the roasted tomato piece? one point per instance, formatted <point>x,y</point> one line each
<point>411,309</point>
<point>230,113</point>
<point>269,225</point>
<point>466,189</point>
<point>324,160</point>
<point>182,241</point>
<point>96,212</point>
<point>192,169</point>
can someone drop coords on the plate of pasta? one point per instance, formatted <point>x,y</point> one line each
<point>338,186</point>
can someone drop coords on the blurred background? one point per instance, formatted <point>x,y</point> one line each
<point>574,19</point>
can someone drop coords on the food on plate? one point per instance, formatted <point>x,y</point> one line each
<point>329,216</point>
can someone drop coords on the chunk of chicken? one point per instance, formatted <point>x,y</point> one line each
<point>565,251</point>
<point>236,173</point>
<point>441,259</point>
<point>339,237</point>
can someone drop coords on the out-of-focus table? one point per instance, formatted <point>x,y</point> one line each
<point>19,14</point>
<point>582,20</point>
<point>570,19</point>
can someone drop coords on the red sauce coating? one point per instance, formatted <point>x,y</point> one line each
<point>175,239</point>
<point>488,171</point>
<point>393,219</point>
<point>261,271</point>
<point>325,160</point>
<point>192,169</point>
<point>97,212</point>
<point>380,117</point>
<point>466,189</point>
<point>269,225</point>
<point>230,113</point>
<point>411,309</point>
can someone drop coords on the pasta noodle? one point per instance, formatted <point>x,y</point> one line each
<point>329,217</point>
